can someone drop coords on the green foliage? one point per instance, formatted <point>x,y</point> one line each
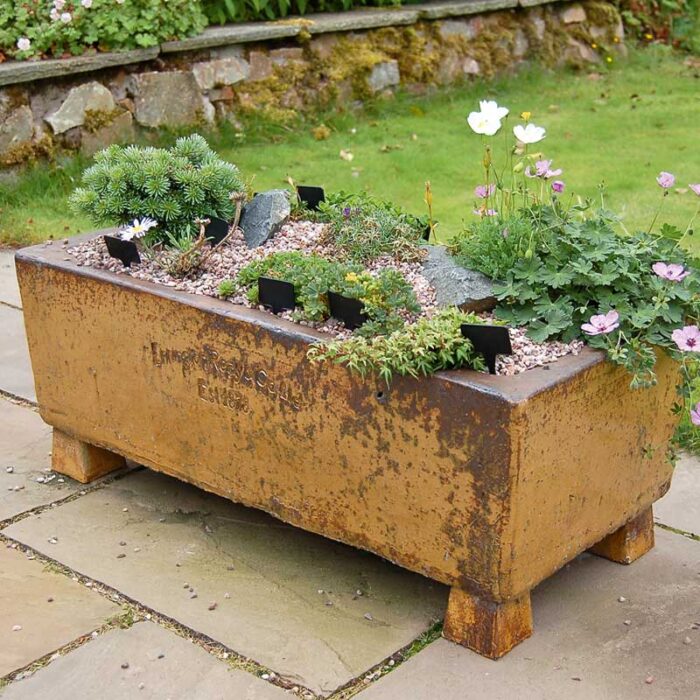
<point>675,22</point>
<point>580,267</point>
<point>222,11</point>
<point>174,186</point>
<point>364,228</point>
<point>106,25</point>
<point>493,246</point>
<point>226,289</point>
<point>421,348</point>
<point>385,295</point>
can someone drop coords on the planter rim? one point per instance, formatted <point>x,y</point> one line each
<point>513,389</point>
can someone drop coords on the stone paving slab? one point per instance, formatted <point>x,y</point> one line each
<point>25,589</point>
<point>25,448</point>
<point>9,290</point>
<point>680,507</point>
<point>581,648</point>
<point>160,665</point>
<point>293,604</point>
<point>15,367</point>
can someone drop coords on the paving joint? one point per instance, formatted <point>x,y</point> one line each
<point>123,620</point>
<point>19,400</point>
<point>389,664</point>
<point>139,612</point>
<point>678,531</point>
<point>88,488</point>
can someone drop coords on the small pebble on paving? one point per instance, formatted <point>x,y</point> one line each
<point>26,479</point>
<point>41,611</point>
<point>144,661</point>
<point>274,614</point>
<point>586,644</point>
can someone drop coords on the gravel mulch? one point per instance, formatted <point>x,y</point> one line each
<point>227,261</point>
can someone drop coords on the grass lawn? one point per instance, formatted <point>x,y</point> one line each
<point>619,127</point>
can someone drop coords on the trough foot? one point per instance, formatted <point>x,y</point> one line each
<point>630,541</point>
<point>488,628</point>
<point>80,460</point>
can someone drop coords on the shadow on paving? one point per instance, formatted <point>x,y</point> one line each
<point>603,631</point>
<point>315,611</point>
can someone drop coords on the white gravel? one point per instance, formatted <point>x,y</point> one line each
<point>227,261</point>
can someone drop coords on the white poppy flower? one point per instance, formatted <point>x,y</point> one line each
<point>87,4</point>
<point>491,108</point>
<point>54,14</point>
<point>24,44</point>
<point>529,133</point>
<point>66,17</point>
<point>483,123</point>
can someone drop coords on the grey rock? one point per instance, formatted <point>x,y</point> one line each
<point>573,14</point>
<point>90,96</point>
<point>119,130</point>
<point>260,66</point>
<point>281,57</point>
<point>168,98</point>
<point>471,67</point>
<point>384,75</point>
<point>520,44</point>
<point>223,71</point>
<point>577,50</point>
<point>463,28</point>
<point>455,285</point>
<point>17,129</point>
<point>264,216</point>
<point>540,27</point>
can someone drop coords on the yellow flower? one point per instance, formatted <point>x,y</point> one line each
<point>649,36</point>
<point>351,277</point>
<point>608,59</point>
<point>594,45</point>
<point>525,116</point>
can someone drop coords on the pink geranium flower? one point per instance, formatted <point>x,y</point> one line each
<point>602,323</point>
<point>687,338</point>
<point>695,188</point>
<point>483,191</point>
<point>558,186</point>
<point>542,169</point>
<point>670,271</point>
<point>695,414</point>
<point>666,180</point>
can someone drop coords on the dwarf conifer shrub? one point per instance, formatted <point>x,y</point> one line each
<point>173,186</point>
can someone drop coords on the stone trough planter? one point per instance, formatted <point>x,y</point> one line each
<point>488,484</point>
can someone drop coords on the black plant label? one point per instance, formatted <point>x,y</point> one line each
<point>126,251</point>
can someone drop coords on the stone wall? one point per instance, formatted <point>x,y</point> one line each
<point>209,80</point>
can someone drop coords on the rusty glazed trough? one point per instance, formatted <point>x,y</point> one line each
<point>488,484</point>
